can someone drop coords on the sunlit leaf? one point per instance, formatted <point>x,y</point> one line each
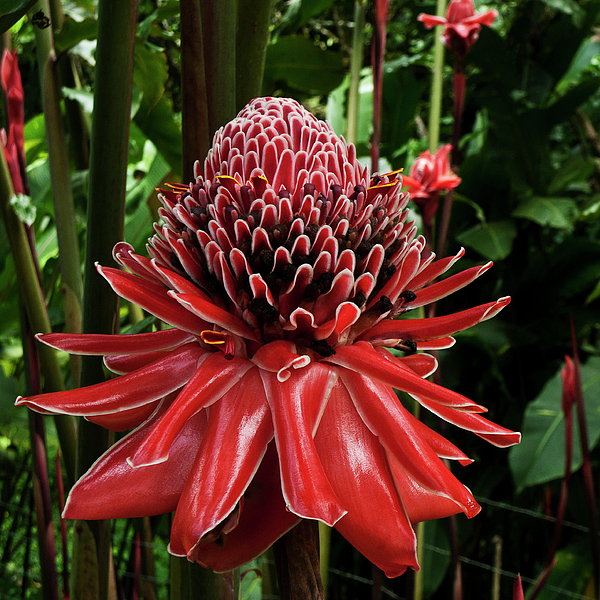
<point>541,455</point>
<point>73,32</point>
<point>551,211</point>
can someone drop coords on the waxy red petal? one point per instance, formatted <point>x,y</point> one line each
<point>296,407</point>
<point>94,343</point>
<point>239,422</point>
<point>125,419</point>
<point>435,327</point>
<point>356,465</point>
<point>263,520</point>
<point>129,391</point>
<point>385,416</point>
<point>112,489</point>
<point>154,299</point>
<point>215,376</point>
<point>363,358</point>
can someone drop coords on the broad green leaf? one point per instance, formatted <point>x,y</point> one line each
<point>569,7</point>
<point>492,240</point>
<point>149,72</point>
<point>11,11</point>
<point>299,63</point>
<point>436,555</point>
<point>540,457</point>
<point>552,211</point>
<point>588,51</point>
<point>85,98</point>
<point>73,32</point>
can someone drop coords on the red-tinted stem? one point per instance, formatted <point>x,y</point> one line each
<point>457,112</point>
<point>587,466</point>
<point>63,528</point>
<point>138,567</point>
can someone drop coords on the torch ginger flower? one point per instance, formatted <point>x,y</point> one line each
<point>461,25</point>
<point>430,175</point>
<point>281,270</point>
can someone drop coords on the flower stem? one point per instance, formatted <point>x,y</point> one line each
<point>435,107</point>
<point>252,36</point>
<point>356,61</point>
<point>62,194</point>
<point>297,563</point>
<point>195,129</point>
<point>35,305</point>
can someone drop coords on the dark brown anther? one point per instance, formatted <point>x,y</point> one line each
<point>311,231</point>
<point>284,194</point>
<point>336,191</point>
<point>408,296</point>
<point>279,234</point>
<point>408,346</point>
<point>309,189</point>
<point>359,299</point>
<point>383,305</point>
<point>262,261</point>
<point>386,272</point>
<point>213,189</point>
<point>325,281</point>
<point>358,189</point>
<point>263,311</point>
<point>363,249</point>
<point>376,180</point>
<point>198,211</point>
<point>322,348</point>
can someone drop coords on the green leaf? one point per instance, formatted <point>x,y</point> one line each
<point>492,240</point>
<point>24,208</point>
<point>73,32</point>
<point>297,62</point>
<point>587,52</point>
<point>568,7</point>
<point>11,11</point>
<point>540,457</point>
<point>555,212</point>
<point>436,555</point>
<point>150,72</point>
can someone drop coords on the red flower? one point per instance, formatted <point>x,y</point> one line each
<point>461,25</point>
<point>282,272</point>
<point>430,175</point>
<point>14,144</point>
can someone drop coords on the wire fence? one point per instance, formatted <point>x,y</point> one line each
<point>11,569</point>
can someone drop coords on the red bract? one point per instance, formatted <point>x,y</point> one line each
<point>13,144</point>
<point>461,25</point>
<point>430,175</point>
<point>283,271</point>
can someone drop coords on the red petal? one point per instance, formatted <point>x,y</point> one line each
<point>385,416</point>
<point>129,391</point>
<point>125,419</point>
<point>112,489</point>
<point>430,20</point>
<point>435,327</point>
<point>239,429</point>
<point>264,519</point>
<point>356,465</point>
<point>296,407</point>
<point>213,314</point>
<point>213,378</point>
<point>495,434</point>
<point>154,299</point>
<point>443,288</point>
<point>92,343</point>
<point>363,358</point>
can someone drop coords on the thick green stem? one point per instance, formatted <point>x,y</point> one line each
<point>106,209</point>
<point>252,37</point>
<point>219,36</point>
<point>35,306</point>
<point>435,108</point>
<point>195,127</point>
<point>62,194</point>
<point>356,61</point>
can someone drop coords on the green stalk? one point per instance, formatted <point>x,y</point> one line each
<point>35,306</point>
<point>219,36</point>
<point>252,38</point>
<point>106,210</point>
<point>435,108</point>
<point>356,61</point>
<point>195,128</point>
<point>62,194</point>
